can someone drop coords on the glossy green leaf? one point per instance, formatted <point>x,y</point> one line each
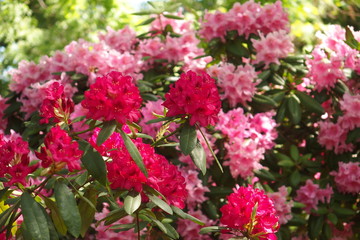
<point>134,152</point>
<point>184,215</point>
<point>294,152</point>
<point>94,163</point>
<point>295,178</point>
<point>315,226</point>
<point>353,136</point>
<point>34,218</point>
<point>262,99</point>
<point>264,75</point>
<point>277,79</point>
<point>173,16</point>
<point>343,211</point>
<point>332,218</point>
<point>55,216</point>
<point>160,203</point>
<point>171,232</point>
<point>286,163</point>
<point>310,103</point>
<point>87,211</point>
<point>294,109</point>
<point>68,209</point>
<point>132,203</point>
<point>198,156</point>
<point>211,229</point>
<point>264,174</point>
<point>350,39</point>
<point>281,112</point>
<point>146,22</point>
<point>114,216</point>
<point>188,139</point>
<point>106,131</point>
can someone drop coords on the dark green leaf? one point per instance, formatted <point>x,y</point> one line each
<point>211,229</point>
<point>294,152</point>
<point>134,152</point>
<point>114,216</point>
<point>280,114</point>
<point>87,211</point>
<point>265,74</point>
<point>171,232</point>
<point>350,39</point>
<point>294,109</point>
<point>94,163</point>
<point>198,156</point>
<point>132,203</point>
<point>261,99</point>
<point>295,178</point>
<point>332,218</point>
<point>68,209</point>
<point>55,216</point>
<point>184,215</point>
<point>353,135</point>
<point>278,79</point>
<point>264,174</point>
<point>310,103</point>
<point>315,226</point>
<point>146,22</point>
<point>160,203</point>
<point>159,120</point>
<point>106,131</point>
<point>34,218</point>
<point>143,13</point>
<point>173,16</point>
<point>343,211</point>
<point>188,138</point>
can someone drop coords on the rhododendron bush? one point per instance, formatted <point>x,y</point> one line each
<point>215,130</point>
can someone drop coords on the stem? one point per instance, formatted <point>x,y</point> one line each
<point>138,225</point>
<point>87,130</point>
<point>42,185</point>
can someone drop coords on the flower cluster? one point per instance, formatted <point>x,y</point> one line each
<point>55,105</point>
<point>121,40</point>
<point>282,207</point>
<point>334,135</point>
<point>248,139</point>
<point>238,83</point>
<point>310,194</point>
<point>238,215</point>
<point>14,159</point>
<point>248,18</point>
<point>113,97</point>
<point>347,178</point>
<point>195,96</point>
<point>60,151</point>
<point>123,173</point>
<point>272,47</point>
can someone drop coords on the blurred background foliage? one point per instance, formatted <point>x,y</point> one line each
<point>30,29</point>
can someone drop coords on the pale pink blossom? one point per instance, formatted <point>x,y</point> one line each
<point>282,206</point>
<point>121,40</point>
<point>310,194</point>
<point>347,178</point>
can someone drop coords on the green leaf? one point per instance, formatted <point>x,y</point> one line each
<point>159,120</point>
<point>4,216</point>
<point>198,156</point>
<point>343,211</point>
<point>278,79</point>
<point>160,203</point>
<point>171,232</point>
<point>262,99</point>
<point>310,103</point>
<point>280,114</point>
<point>286,163</point>
<point>94,163</point>
<point>265,74</point>
<point>294,109</point>
<point>106,131</point>
<point>68,209</point>
<point>188,138</point>
<point>134,152</point>
<point>332,218</point>
<point>114,216</point>
<point>143,13</point>
<point>315,226</point>
<point>264,174</point>
<point>146,22</point>
<point>294,152</point>
<point>132,203</point>
<point>353,135</point>
<point>34,218</point>
<point>350,39</point>
<point>237,49</point>
<point>211,229</point>
<point>55,216</point>
<point>184,215</point>
<point>295,178</point>
<point>87,211</point>
<point>173,16</point>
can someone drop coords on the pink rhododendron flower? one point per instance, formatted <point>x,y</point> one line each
<point>189,230</point>
<point>195,96</point>
<point>195,188</point>
<point>14,159</point>
<point>347,178</point>
<point>345,234</point>
<point>79,126</point>
<point>113,97</point>
<point>272,47</point>
<point>350,104</point>
<point>245,18</point>
<point>60,151</point>
<point>248,139</point>
<point>238,83</point>
<point>310,194</point>
<point>123,173</point>
<point>121,40</point>
<point>237,213</point>
<point>3,106</point>
<point>282,207</point>
<point>55,105</point>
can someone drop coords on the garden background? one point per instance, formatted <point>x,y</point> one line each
<point>179,119</point>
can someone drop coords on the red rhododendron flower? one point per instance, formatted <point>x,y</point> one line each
<point>113,96</point>
<point>14,159</point>
<point>195,96</point>
<point>123,173</point>
<point>60,151</point>
<point>237,214</point>
<point>56,106</point>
